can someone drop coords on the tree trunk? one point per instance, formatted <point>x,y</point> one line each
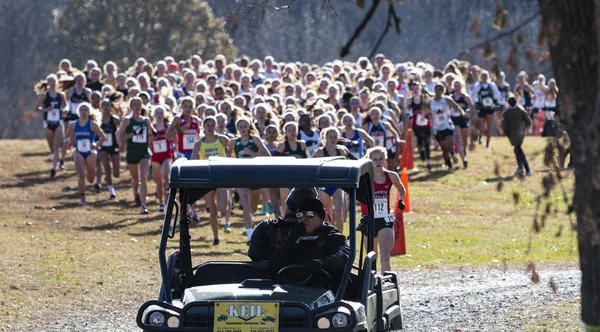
<point>571,30</point>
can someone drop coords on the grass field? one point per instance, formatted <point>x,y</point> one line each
<point>55,255</point>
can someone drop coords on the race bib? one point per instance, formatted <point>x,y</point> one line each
<point>311,150</point>
<point>159,146</point>
<point>421,120</point>
<point>141,137</point>
<point>441,118</point>
<point>188,141</point>
<point>487,102</point>
<point>379,138</point>
<point>73,108</point>
<point>54,115</point>
<point>109,141</point>
<point>380,208</point>
<point>84,145</point>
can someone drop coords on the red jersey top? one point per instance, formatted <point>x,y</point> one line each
<point>382,198</point>
<point>161,146</point>
<point>187,138</point>
<point>419,119</point>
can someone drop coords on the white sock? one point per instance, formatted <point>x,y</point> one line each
<point>111,189</point>
<point>249,233</point>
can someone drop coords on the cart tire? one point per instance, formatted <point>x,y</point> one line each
<point>396,323</point>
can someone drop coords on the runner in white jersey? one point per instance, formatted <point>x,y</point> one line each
<point>309,135</point>
<point>443,126</point>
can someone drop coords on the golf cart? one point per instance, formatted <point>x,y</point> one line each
<point>239,295</point>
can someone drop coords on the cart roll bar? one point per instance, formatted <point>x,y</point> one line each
<point>162,258</point>
<point>346,275</point>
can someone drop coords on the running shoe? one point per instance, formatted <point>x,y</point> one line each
<point>82,202</point>
<point>144,210</point>
<point>52,173</point>
<point>480,140</point>
<point>194,215</point>
<point>465,164</point>
<point>111,192</point>
<point>97,187</point>
<point>429,167</point>
<point>450,169</point>
<point>61,164</point>
<point>227,228</point>
<point>138,201</point>
<point>519,171</point>
<point>216,242</point>
<point>454,159</point>
<point>529,173</point>
<point>236,197</point>
<point>161,208</point>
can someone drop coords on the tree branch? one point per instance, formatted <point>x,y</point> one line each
<point>346,49</point>
<point>504,34</point>
<point>385,31</point>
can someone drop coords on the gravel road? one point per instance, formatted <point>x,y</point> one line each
<point>468,299</point>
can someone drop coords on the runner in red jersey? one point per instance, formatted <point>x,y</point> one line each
<point>186,127</point>
<point>383,181</point>
<point>162,154</point>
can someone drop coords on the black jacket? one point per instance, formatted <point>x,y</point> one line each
<point>269,242</point>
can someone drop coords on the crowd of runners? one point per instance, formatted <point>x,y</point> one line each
<point>154,113</point>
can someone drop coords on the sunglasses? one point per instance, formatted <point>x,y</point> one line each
<point>307,214</point>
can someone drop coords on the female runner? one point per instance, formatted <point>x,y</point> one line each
<point>134,131</point>
<point>356,137</point>
<point>380,131</point>
<point>461,134</point>
<point>109,150</point>
<point>440,106</point>
<point>214,144</point>
<point>247,145</point>
<point>52,104</point>
<point>162,154</point>
<point>185,128</point>
<point>290,147</point>
<point>333,198</point>
<point>81,134</point>
<point>383,218</point>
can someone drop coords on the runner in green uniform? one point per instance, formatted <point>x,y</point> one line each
<point>135,130</point>
<point>247,145</point>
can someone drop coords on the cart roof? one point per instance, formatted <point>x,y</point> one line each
<point>271,172</point>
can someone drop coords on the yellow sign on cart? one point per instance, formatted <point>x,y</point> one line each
<point>246,317</point>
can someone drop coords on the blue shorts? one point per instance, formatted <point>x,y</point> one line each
<point>186,155</point>
<point>329,190</point>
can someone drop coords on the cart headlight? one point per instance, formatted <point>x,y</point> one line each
<point>157,319</point>
<point>339,320</point>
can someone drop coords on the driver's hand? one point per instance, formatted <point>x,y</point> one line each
<point>296,231</point>
<point>314,265</point>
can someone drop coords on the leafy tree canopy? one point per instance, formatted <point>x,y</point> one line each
<point>125,30</point>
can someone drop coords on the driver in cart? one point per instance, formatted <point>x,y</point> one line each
<point>302,237</point>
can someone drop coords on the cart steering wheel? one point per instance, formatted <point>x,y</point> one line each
<point>282,279</point>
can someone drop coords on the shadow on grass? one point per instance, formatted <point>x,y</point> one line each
<point>30,179</point>
<point>153,233</point>
<point>35,154</point>
<point>123,223</point>
<point>429,176</point>
<point>500,178</point>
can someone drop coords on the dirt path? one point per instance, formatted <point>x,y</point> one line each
<point>433,300</point>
